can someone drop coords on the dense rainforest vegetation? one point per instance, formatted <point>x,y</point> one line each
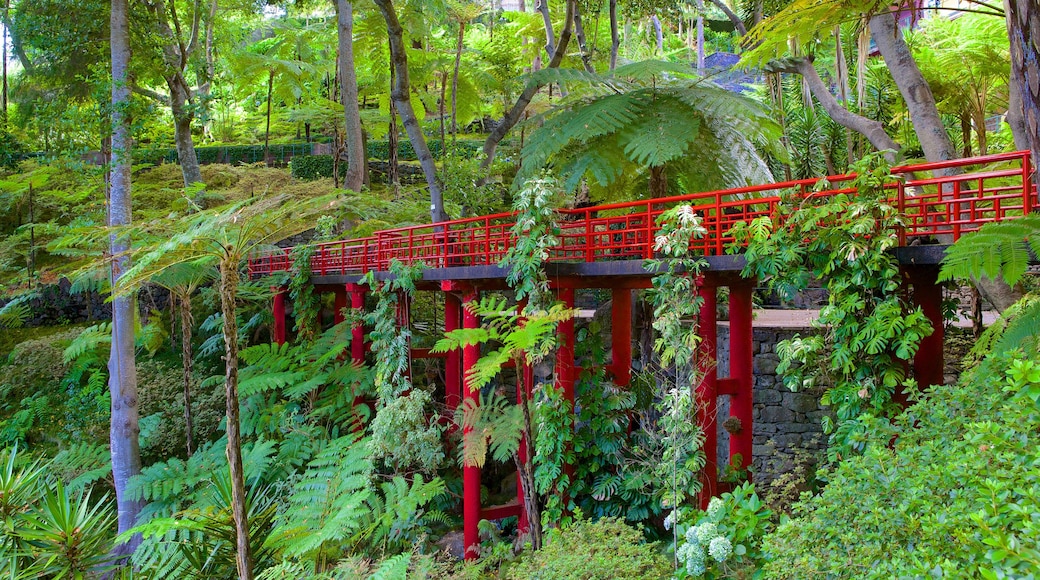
<point>151,427</point>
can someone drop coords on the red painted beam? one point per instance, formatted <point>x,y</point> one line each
<point>341,303</point>
<point>928,362</point>
<point>470,473</point>
<point>741,361</point>
<point>498,512</point>
<point>357,304</point>
<point>453,362</point>
<point>707,393</point>
<point>621,336</point>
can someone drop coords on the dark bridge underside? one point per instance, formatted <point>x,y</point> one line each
<point>596,274</point>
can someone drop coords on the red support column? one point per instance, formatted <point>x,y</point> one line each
<point>621,335</point>
<point>470,473</point>
<point>928,362</point>
<point>741,361</point>
<point>357,304</point>
<point>340,304</point>
<point>707,393</point>
<point>278,310</point>
<point>453,362</point>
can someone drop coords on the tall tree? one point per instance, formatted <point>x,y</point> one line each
<point>1023,24</point>
<point>226,236</point>
<point>512,116</point>
<point>177,50</point>
<point>400,94</point>
<point>355,139</point>
<point>122,370</point>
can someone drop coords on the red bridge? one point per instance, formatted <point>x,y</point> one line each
<point>604,247</point>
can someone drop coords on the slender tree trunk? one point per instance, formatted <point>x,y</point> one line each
<point>357,158</point>
<point>441,111</point>
<point>392,175</point>
<point>229,278</point>
<point>3,91</point>
<point>700,39</point>
<point>966,134</point>
<point>180,96</point>
<point>615,38</point>
<point>402,99</point>
<point>869,128</point>
<point>510,119</point>
<point>579,35</point>
<point>526,470</point>
<point>550,38</point>
<point>267,129</point>
<point>1015,117</point>
<point>122,369</point>
<point>658,181</point>
<point>455,82</point>
<point>1023,24</point>
<point>658,34</point>
<point>187,361</point>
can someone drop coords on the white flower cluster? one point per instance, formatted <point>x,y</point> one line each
<point>703,540</point>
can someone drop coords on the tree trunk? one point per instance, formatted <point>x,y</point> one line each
<point>658,34</point>
<point>180,95</point>
<point>357,157</point>
<point>658,181</point>
<point>738,24</point>
<point>229,277</point>
<point>526,470</point>
<point>441,110</point>
<point>966,134</point>
<point>510,119</point>
<point>916,93</point>
<point>267,129</point>
<point>402,100</point>
<point>550,39</point>
<point>579,35</point>
<point>187,361</point>
<point>455,82</point>
<point>872,130</point>
<point>1023,24</point>
<point>3,92</point>
<point>1015,117</point>
<point>615,38</point>
<point>122,369</point>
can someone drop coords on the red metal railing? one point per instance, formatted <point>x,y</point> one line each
<point>980,190</point>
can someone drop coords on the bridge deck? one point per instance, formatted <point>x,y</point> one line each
<point>613,239</point>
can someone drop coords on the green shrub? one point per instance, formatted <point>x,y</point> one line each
<point>160,390</point>
<point>600,550</point>
<point>310,167</point>
<point>952,489</point>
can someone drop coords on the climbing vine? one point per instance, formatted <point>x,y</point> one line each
<point>867,332</point>
<point>405,433</point>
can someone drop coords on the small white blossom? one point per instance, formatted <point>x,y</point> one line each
<point>720,549</point>
<point>715,509</point>
<point>706,531</point>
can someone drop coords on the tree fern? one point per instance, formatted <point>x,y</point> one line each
<point>999,249</point>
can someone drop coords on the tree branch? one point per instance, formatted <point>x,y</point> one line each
<point>158,97</point>
<point>869,128</point>
<point>737,22</point>
<point>510,119</point>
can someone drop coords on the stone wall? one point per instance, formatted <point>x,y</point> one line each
<point>784,422</point>
<point>55,304</point>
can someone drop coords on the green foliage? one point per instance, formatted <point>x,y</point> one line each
<point>997,250</point>
<point>306,304</point>
<point>866,333</point>
<point>726,540</point>
<point>606,548</point>
<point>11,151</point>
<point>956,491</point>
<point>536,233</point>
<point>68,536</point>
<point>613,128</point>
<point>306,166</point>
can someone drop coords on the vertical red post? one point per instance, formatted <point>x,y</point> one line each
<point>340,304</point>
<point>278,310</point>
<point>357,304</point>
<point>928,362</point>
<point>707,393</point>
<point>741,361</point>
<point>453,363</point>
<point>621,335</point>
<point>470,473</point>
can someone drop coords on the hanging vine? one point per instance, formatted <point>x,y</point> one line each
<point>867,332</point>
